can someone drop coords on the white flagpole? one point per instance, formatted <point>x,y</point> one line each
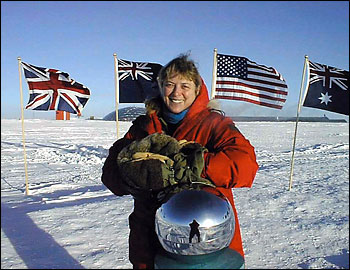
<point>296,123</point>
<point>22,117</point>
<point>213,82</point>
<point>116,82</point>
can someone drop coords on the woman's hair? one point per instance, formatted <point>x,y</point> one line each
<point>182,66</point>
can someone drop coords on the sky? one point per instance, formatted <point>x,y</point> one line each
<point>80,37</point>
<point>70,220</point>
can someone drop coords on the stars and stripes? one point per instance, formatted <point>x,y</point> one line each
<point>137,81</point>
<point>51,89</point>
<point>239,78</point>
<point>327,88</point>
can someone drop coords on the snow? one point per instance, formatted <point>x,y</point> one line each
<point>70,220</point>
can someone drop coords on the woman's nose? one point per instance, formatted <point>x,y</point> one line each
<point>177,90</point>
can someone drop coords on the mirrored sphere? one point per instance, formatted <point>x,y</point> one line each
<point>195,222</point>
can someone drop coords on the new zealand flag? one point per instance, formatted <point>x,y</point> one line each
<point>328,88</point>
<point>137,81</point>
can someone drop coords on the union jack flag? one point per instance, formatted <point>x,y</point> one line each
<point>137,81</point>
<point>328,88</point>
<point>328,75</point>
<point>51,89</point>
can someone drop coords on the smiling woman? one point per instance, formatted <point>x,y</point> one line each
<point>180,83</point>
<point>213,156</point>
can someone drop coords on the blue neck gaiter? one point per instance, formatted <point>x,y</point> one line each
<point>173,118</point>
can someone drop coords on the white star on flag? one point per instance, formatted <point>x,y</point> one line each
<point>325,98</point>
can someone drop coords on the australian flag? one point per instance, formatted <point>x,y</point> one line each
<point>328,88</point>
<point>137,81</point>
<point>51,89</point>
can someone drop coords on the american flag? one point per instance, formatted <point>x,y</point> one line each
<point>137,81</point>
<point>51,89</point>
<point>328,88</point>
<point>238,78</point>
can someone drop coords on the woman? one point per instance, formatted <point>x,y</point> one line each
<point>184,112</point>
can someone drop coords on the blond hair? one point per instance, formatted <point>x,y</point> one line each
<point>182,66</point>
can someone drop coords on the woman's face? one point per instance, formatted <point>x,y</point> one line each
<point>179,93</point>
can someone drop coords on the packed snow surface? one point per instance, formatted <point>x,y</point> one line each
<point>69,219</point>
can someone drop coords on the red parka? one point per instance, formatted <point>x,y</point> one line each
<point>229,163</point>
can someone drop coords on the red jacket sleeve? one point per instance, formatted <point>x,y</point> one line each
<point>231,160</point>
<point>110,175</point>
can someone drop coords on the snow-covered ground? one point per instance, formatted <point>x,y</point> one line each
<point>70,220</point>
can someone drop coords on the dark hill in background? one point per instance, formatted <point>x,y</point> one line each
<point>127,114</point>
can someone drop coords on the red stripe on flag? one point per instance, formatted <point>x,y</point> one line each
<point>251,101</point>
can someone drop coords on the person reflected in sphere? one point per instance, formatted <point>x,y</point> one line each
<point>194,231</point>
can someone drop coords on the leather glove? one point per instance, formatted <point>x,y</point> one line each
<point>145,165</point>
<point>155,143</point>
<point>147,171</point>
<point>189,164</point>
<point>187,167</point>
<point>159,166</point>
